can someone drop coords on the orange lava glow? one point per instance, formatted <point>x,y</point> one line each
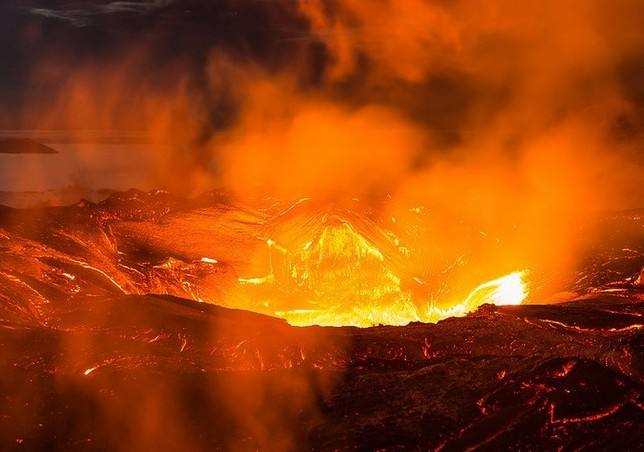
<point>468,153</point>
<point>332,273</point>
<point>507,290</point>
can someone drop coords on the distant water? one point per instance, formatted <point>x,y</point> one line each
<point>103,161</point>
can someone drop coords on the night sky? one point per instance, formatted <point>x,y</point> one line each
<point>264,32</point>
<point>450,87</point>
<point>100,32</point>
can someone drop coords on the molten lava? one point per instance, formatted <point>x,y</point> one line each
<point>328,270</point>
<point>507,290</point>
<point>308,263</point>
<point>340,268</point>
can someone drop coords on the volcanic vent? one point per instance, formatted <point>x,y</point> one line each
<point>337,268</point>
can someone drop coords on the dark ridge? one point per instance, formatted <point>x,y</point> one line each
<point>24,146</point>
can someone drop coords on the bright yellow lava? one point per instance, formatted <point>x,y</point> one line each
<point>507,290</point>
<point>511,289</point>
<point>338,277</point>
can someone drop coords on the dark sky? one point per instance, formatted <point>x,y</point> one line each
<point>84,32</point>
<point>266,32</point>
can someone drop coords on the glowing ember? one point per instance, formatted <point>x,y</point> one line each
<point>90,370</point>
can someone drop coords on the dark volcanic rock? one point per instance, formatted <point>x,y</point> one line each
<point>176,375</point>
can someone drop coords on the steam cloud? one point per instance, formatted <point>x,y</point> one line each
<point>514,119</point>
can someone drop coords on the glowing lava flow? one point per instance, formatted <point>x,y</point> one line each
<point>511,289</point>
<point>343,278</point>
<point>507,290</point>
<point>333,274</point>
